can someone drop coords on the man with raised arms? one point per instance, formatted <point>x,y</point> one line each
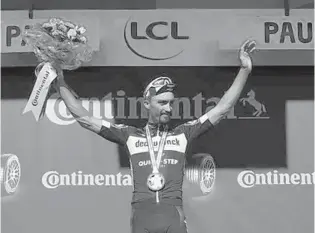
<point>156,151</point>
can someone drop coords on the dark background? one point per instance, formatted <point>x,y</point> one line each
<point>234,143</point>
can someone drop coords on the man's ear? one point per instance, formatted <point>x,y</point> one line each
<point>146,103</point>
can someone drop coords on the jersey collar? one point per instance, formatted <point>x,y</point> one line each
<point>154,127</point>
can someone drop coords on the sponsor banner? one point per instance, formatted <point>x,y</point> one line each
<point>12,30</point>
<point>53,179</point>
<point>253,133</point>
<point>182,37</point>
<point>272,33</point>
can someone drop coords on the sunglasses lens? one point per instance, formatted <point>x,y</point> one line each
<point>161,82</point>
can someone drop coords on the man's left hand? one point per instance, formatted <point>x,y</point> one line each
<point>246,50</point>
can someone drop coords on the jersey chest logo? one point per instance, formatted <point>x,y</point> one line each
<point>138,145</point>
<point>164,162</point>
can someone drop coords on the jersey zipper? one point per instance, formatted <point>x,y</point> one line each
<point>157,192</point>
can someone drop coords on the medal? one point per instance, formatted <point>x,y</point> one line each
<point>155,180</point>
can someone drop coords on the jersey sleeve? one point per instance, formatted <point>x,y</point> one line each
<point>117,133</point>
<point>193,129</point>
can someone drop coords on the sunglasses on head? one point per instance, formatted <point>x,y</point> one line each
<point>159,85</point>
<point>162,81</point>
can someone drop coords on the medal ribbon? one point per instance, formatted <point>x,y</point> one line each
<point>156,163</point>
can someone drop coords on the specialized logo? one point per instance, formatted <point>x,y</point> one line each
<point>157,40</point>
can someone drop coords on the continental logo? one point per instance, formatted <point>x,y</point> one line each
<point>35,101</point>
<point>138,145</point>
<point>119,106</point>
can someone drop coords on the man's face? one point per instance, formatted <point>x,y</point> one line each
<point>160,107</point>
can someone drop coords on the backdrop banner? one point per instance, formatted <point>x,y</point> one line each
<point>171,38</point>
<point>56,151</point>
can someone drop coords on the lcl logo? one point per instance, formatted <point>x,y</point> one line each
<point>136,37</point>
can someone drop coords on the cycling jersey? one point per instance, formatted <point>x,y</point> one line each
<point>172,161</point>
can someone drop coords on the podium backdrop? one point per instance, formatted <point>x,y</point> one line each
<point>271,127</point>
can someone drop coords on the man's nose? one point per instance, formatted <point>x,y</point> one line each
<point>168,108</point>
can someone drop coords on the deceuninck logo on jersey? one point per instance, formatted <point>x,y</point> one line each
<point>174,142</point>
<point>138,145</point>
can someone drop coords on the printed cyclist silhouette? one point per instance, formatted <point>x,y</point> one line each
<point>251,100</point>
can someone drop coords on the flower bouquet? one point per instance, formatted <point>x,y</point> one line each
<point>58,45</point>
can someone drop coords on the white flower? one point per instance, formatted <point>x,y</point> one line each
<point>51,48</point>
<point>71,33</point>
<point>37,50</point>
<point>54,21</point>
<point>57,33</point>
<point>81,30</point>
<point>69,25</point>
<point>63,28</point>
<point>48,25</point>
<point>83,39</point>
<point>54,33</point>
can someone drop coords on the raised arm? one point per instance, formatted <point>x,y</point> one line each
<point>72,102</point>
<point>229,99</point>
<point>110,131</point>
